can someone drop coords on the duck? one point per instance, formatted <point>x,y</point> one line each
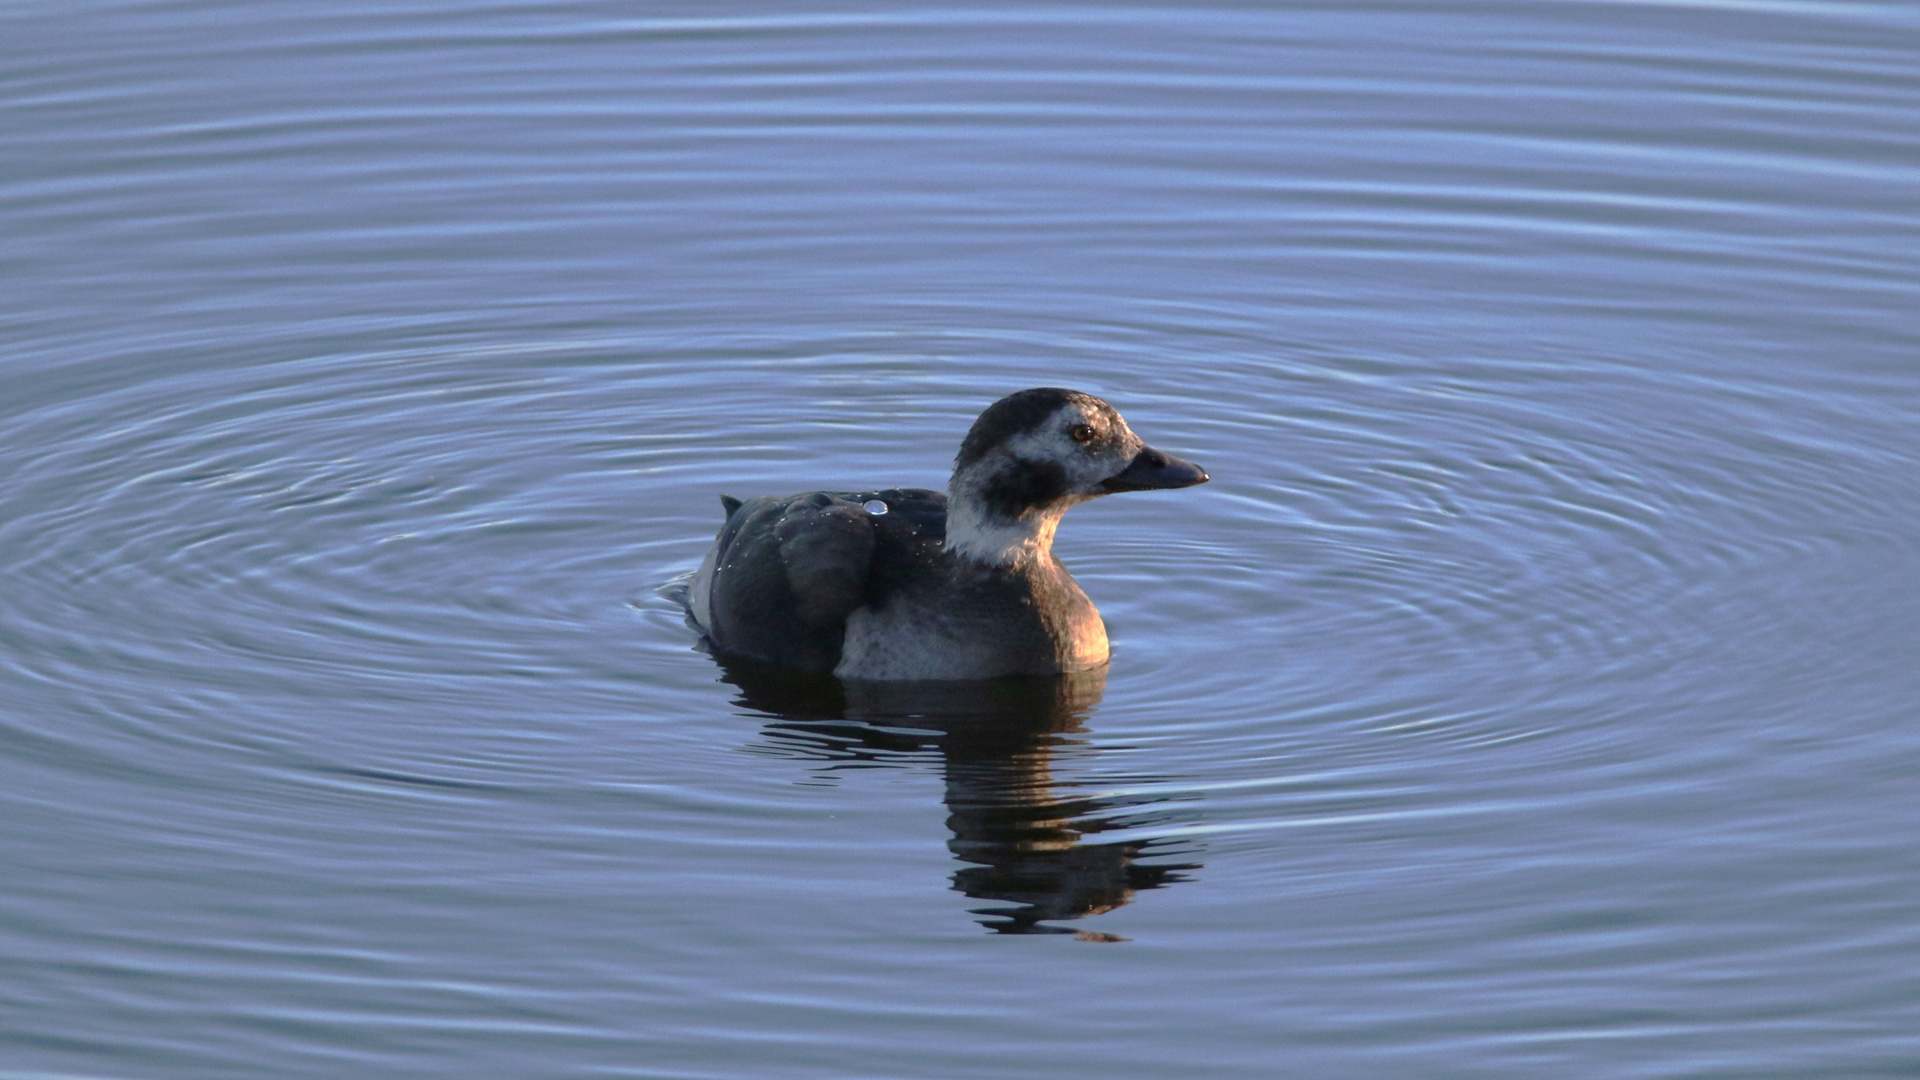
<point>903,584</point>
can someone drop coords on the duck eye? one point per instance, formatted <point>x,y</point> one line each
<point>1080,433</point>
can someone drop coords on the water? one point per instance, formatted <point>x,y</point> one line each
<point>1531,692</point>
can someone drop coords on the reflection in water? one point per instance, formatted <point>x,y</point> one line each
<point>1021,830</point>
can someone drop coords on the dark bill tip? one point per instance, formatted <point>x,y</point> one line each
<point>1150,470</point>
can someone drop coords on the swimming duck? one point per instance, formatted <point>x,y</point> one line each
<point>906,583</point>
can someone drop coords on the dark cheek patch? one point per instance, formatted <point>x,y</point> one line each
<point>1024,485</point>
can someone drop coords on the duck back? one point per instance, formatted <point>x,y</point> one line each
<point>786,572</point>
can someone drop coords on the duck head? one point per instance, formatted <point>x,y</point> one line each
<point>1034,455</point>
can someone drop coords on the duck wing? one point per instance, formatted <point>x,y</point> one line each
<point>826,547</point>
<point>788,571</point>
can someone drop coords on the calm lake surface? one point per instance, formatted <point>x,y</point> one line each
<point>1533,693</point>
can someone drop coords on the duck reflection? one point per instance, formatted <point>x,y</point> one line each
<point>1022,833</point>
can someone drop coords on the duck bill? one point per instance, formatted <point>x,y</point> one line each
<point>1151,470</point>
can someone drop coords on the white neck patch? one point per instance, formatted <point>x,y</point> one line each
<point>997,541</point>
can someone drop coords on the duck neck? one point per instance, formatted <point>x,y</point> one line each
<point>984,533</point>
<point>999,541</point>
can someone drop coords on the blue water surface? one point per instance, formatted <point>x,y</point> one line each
<point>1532,692</point>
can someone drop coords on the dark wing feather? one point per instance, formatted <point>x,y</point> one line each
<point>826,545</point>
<point>790,570</point>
